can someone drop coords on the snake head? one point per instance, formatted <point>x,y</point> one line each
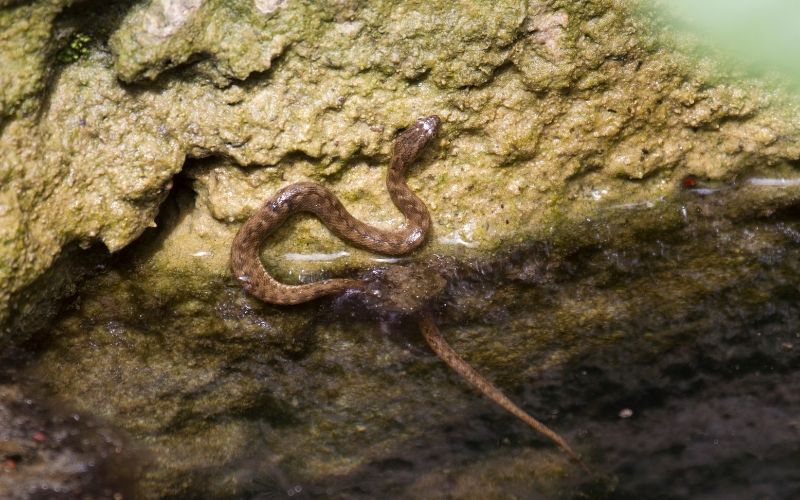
<point>412,140</point>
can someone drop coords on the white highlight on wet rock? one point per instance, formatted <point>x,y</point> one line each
<point>455,238</point>
<point>389,260</point>
<point>349,28</point>
<point>202,253</point>
<point>268,6</point>
<point>315,257</point>
<point>598,193</point>
<point>166,17</point>
<point>773,181</point>
<point>625,413</point>
<point>634,205</point>
<point>548,30</point>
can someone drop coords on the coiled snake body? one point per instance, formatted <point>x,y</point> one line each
<point>309,197</point>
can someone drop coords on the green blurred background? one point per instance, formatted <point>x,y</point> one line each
<point>762,35</point>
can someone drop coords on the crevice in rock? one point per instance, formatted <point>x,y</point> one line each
<point>38,303</point>
<point>176,205</point>
<point>95,19</point>
<point>184,71</point>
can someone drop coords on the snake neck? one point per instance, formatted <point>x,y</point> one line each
<point>408,146</point>
<point>418,219</point>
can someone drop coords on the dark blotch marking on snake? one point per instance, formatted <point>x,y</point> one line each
<point>309,197</point>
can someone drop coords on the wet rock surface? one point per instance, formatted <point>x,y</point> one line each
<point>46,452</point>
<point>694,331</point>
<point>401,290</point>
<point>554,113</point>
<point>614,245</point>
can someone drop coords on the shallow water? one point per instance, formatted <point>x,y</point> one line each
<point>672,366</point>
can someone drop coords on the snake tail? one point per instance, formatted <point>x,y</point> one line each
<point>446,353</point>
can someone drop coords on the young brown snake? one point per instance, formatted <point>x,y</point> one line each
<point>314,198</point>
<point>309,197</point>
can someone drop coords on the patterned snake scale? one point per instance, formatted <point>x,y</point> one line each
<point>309,197</point>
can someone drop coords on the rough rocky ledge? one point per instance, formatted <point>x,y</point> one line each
<point>555,114</point>
<point>573,132</point>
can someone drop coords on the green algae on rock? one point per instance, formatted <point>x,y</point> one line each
<point>238,398</point>
<point>554,113</point>
<point>234,39</point>
<point>568,124</point>
<point>25,36</point>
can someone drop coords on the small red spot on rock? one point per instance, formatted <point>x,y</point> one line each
<point>38,436</point>
<point>689,182</point>
<point>10,464</point>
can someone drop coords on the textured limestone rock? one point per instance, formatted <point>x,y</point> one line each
<point>554,114</point>
<point>46,451</point>
<point>580,126</point>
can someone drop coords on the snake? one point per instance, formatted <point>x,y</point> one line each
<point>314,198</point>
<point>318,200</point>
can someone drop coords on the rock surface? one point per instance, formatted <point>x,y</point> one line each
<point>693,330</point>
<point>593,183</point>
<point>554,115</point>
<point>49,453</point>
